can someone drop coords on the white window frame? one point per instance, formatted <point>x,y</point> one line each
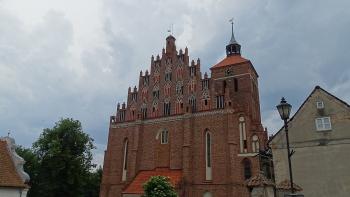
<point>321,123</point>
<point>319,105</point>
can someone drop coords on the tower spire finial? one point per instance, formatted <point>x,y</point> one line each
<point>171,29</point>
<point>233,48</point>
<point>233,40</point>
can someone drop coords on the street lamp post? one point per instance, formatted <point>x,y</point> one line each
<point>284,109</point>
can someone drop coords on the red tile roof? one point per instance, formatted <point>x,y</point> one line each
<point>285,185</point>
<point>8,174</point>
<point>259,181</point>
<point>230,60</point>
<point>135,187</point>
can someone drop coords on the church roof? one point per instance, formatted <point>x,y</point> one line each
<point>230,60</point>
<point>9,176</point>
<point>135,187</point>
<point>259,180</point>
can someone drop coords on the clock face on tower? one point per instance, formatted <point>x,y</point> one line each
<point>228,72</point>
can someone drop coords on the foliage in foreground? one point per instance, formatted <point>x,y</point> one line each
<point>60,162</point>
<point>159,186</point>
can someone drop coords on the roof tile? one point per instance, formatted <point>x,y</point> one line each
<point>230,60</point>
<point>8,174</point>
<point>135,187</point>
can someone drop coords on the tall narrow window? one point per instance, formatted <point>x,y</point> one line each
<point>125,160</point>
<point>205,84</point>
<point>220,102</point>
<point>242,135</point>
<point>208,156</point>
<point>145,80</point>
<point>192,71</point>
<point>247,168</point>
<point>192,102</point>
<point>144,112</point>
<point>122,115</point>
<point>235,81</point>
<point>255,144</point>
<point>167,109</point>
<point>224,86</point>
<point>164,137</point>
<point>167,76</point>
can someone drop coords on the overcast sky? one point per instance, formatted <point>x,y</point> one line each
<point>64,58</point>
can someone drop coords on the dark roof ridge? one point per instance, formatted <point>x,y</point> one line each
<point>317,87</point>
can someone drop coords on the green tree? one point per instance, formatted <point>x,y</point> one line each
<point>92,187</point>
<point>159,186</point>
<point>64,154</point>
<point>31,167</point>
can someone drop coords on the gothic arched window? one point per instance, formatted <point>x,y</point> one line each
<point>255,143</point>
<point>125,160</point>
<point>208,155</point>
<point>192,102</point>
<point>242,135</point>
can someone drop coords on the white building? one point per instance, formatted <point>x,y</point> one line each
<point>319,133</point>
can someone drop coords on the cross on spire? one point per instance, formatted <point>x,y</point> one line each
<point>171,29</point>
<point>231,21</point>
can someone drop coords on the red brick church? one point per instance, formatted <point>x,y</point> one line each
<point>202,131</point>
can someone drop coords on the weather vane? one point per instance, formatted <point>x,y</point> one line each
<point>171,29</point>
<point>231,21</point>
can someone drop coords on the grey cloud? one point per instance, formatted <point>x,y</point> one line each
<point>293,45</point>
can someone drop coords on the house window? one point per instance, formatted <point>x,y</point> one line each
<point>220,102</point>
<point>167,109</point>
<point>319,105</point>
<point>255,143</point>
<point>208,156</point>
<point>164,137</point>
<point>247,168</point>
<point>323,123</point>
<point>125,160</point>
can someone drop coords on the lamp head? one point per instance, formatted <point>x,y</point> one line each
<point>284,109</point>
